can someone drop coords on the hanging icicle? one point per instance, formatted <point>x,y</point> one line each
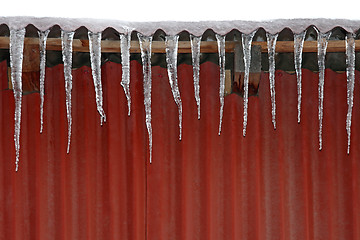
<point>195,54</point>
<point>145,46</point>
<point>125,40</point>
<point>271,44</point>
<point>42,49</point>
<point>16,59</point>
<point>350,74</point>
<point>322,40</point>
<point>298,49</point>
<point>95,59</point>
<point>171,43</point>
<point>221,49</point>
<point>246,44</point>
<point>66,43</point>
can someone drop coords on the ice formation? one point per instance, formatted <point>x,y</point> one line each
<point>17,36</point>
<point>16,59</point>
<point>125,40</point>
<point>66,41</point>
<point>145,46</point>
<point>271,44</point>
<point>350,73</point>
<point>42,49</point>
<point>171,43</point>
<point>298,49</point>
<point>95,59</point>
<point>246,44</point>
<point>195,55</point>
<point>221,49</point>
<point>322,40</point>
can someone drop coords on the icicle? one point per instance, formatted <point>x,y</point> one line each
<point>67,40</point>
<point>16,59</point>
<point>95,59</point>
<point>322,45</point>
<point>171,43</point>
<point>195,53</point>
<point>125,40</point>
<point>350,74</point>
<point>42,47</point>
<point>298,48</point>
<point>271,44</point>
<point>246,44</point>
<point>221,48</point>
<point>145,46</point>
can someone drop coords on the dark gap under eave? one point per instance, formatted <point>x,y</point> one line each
<point>284,61</point>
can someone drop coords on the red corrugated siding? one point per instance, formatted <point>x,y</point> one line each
<point>272,184</point>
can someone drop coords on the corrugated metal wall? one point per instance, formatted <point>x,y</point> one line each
<point>271,184</point>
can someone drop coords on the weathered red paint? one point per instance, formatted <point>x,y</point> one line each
<point>271,184</point>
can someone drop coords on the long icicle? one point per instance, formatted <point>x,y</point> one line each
<point>171,43</point>
<point>95,59</point>
<point>42,49</point>
<point>221,49</point>
<point>195,55</point>
<point>322,40</point>
<point>298,49</point>
<point>271,44</point>
<point>125,40</point>
<point>145,46</point>
<point>16,59</point>
<point>350,74</point>
<point>246,44</point>
<point>67,40</point>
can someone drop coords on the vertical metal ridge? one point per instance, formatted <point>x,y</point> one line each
<point>329,164</point>
<point>188,165</point>
<point>306,127</point>
<point>309,112</point>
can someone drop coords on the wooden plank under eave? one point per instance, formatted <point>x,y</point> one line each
<point>31,59</point>
<point>82,45</point>
<point>309,46</point>
<point>228,81</point>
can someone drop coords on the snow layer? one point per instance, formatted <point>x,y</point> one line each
<point>174,27</point>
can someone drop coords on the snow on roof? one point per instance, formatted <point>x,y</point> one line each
<point>174,27</point>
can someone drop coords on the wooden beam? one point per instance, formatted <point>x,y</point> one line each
<point>309,46</point>
<point>184,46</point>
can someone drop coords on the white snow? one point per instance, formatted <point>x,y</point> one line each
<point>196,28</point>
<point>161,10</point>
